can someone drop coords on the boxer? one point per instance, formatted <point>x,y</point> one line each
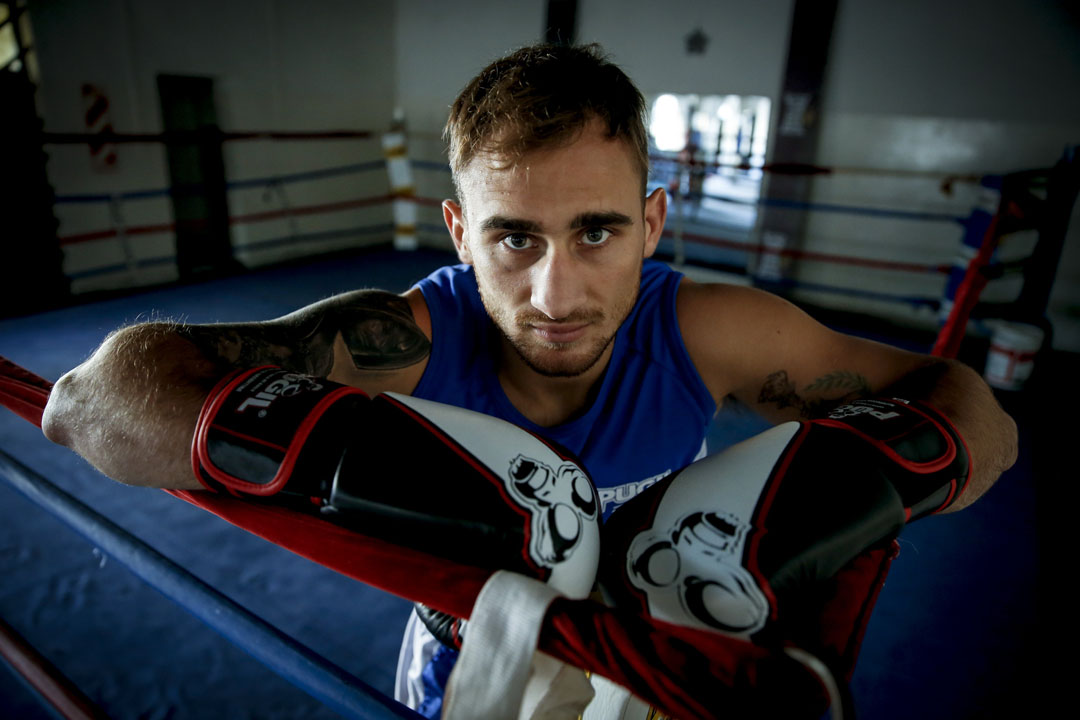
<point>558,322</point>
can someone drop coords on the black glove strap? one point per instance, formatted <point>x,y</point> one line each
<point>446,628</point>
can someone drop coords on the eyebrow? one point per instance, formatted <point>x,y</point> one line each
<point>501,222</point>
<point>588,219</point>
<point>595,219</point>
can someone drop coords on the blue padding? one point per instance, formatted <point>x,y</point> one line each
<point>291,660</point>
<point>78,199</point>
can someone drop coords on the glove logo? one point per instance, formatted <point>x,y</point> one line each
<point>845,412</point>
<point>691,574</point>
<point>284,385</point>
<point>561,501</point>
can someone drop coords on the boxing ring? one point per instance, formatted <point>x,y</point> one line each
<point>406,212</point>
<point>323,680</point>
<point>335,692</point>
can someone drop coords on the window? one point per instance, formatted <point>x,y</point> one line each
<point>707,151</point>
<point>726,130</point>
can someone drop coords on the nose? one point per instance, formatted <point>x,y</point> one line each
<point>558,284</point>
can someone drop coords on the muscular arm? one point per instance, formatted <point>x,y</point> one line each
<point>131,408</point>
<point>765,353</point>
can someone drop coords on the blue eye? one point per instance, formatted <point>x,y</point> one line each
<point>517,242</point>
<point>595,236</point>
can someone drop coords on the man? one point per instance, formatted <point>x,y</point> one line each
<point>556,321</point>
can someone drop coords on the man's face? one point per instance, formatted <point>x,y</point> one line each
<point>557,241</point>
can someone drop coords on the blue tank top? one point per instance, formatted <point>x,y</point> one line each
<point>649,416</point>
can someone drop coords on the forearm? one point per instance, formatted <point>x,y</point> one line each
<point>131,408</point>
<point>962,396</point>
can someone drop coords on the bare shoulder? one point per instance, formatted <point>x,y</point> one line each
<point>727,327</point>
<point>770,355</point>
<point>700,303</point>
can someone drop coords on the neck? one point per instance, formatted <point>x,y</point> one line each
<point>545,400</point>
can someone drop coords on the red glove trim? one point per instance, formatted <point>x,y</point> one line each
<point>776,478</point>
<point>201,459</point>
<point>204,417</point>
<point>928,466</point>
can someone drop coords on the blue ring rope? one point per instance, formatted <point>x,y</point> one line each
<point>290,659</point>
<point>831,207</point>
<point>258,182</point>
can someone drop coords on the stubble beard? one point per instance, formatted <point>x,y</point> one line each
<point>556,360</point>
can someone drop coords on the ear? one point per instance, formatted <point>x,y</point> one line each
<point>455,223</point>
<point>655,215</point>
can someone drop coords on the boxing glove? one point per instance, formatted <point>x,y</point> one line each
<point>721,544</point>
<point>458,485</point>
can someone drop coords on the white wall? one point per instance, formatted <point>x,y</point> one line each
<point>745,54</point>
<point>439,47</point>
<point>321,65</point>
<point>967,86</point>
<point>1000,60</point>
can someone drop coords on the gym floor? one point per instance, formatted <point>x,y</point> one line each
<point>961,629</point>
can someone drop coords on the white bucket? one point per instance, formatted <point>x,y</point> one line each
<point>1012,355</point>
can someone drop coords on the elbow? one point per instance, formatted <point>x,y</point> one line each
<point>994,460</point>
<point>58,421</point>
<point>1004,450</point>
<point>131,408</point>
<point>68,418</point>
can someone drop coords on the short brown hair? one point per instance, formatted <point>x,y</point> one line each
<point>541,96</point>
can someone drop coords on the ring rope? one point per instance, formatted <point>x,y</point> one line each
<point>913,300</point>
<point>831,207</point>
<point>320,174</point>
<point>310,209</point>
<point>322,235</point>
<point>430,165</point>
<point>791,168</point>
<point>813,255</point>
<point>233,220</point>
<point>218,135</point>
<point>257,182</point>
<point>132,263</point>
<point>290,659</point>
<point>954,329</point>
<point>45,679</point>
<point>208,134</point>
<point>293,239</point>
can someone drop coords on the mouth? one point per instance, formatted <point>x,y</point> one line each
<point>559,333</point>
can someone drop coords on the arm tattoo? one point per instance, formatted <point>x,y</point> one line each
<point>382,338</point>
<point>244,346</point>
<point>376,327</point>
<point>781,391</point>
